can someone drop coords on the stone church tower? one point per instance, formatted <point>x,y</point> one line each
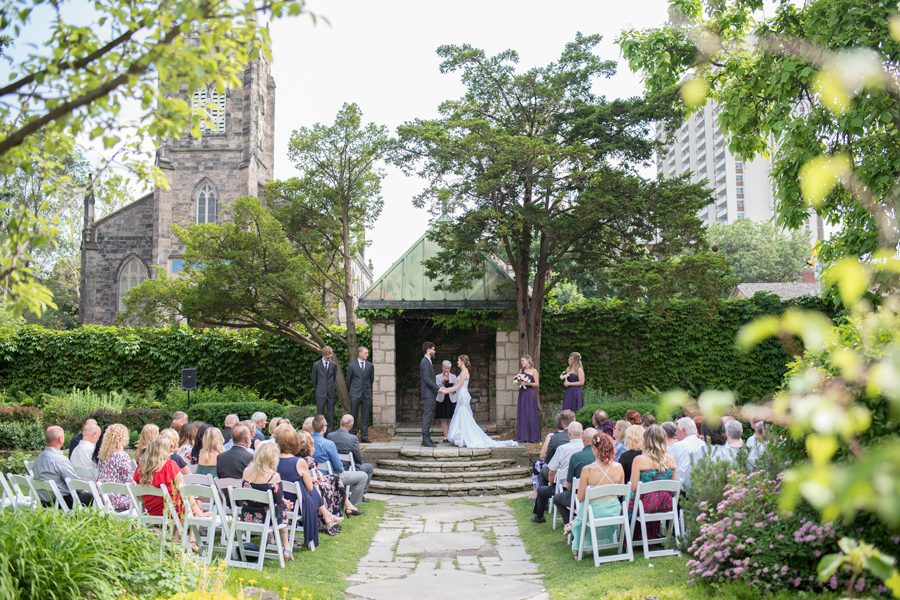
<point>235,158</point>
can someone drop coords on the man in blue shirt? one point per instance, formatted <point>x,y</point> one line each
<point>326,452</point>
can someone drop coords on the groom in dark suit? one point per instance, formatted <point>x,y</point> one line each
<point>360,377</point>
<point>429,392</point>
<point>323,378</point>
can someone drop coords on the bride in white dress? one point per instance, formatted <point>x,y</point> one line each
<point>464,431</point>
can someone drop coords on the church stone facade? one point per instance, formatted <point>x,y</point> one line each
<point>234,158</point>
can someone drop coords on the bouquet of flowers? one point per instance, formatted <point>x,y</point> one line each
<point>564,375</point>
<point>521,379</point>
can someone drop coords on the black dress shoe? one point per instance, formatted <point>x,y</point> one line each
<point>538,519</point>
<point>354,513</point>
<point>428,443</point>
<point>365,440</point>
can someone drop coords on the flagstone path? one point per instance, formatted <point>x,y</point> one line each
<point>452,548</point>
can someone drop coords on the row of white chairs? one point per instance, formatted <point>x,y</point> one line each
<point>220,498</point>
<point>625,523</point>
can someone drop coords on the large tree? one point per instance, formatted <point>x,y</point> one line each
<point>538,170</point>
<point>761,251</point>
<point>326,210</point>
<point>814,83</point>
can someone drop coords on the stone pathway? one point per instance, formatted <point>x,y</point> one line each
<point>452,548</point>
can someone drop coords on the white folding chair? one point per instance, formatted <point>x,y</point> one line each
<point>294,517</point>
<point>326,467</point>
<point>347,457</point>
<point>242,531</point>
<point>554,513</point>
<point>12,497</point>
<point>223,484</point>
<point>29,467</point>
<point>85,474</point>
<point>198,479</point>
<point>573,506</point>
<point>22,487</point>
<point>119,489</point>
<point>76,485</point>
<point>622,538</point>
<point>193,469</point>
<point>138,493</point>
<point>51,491</point>
<point>648,487</point>
<point>204,527</point>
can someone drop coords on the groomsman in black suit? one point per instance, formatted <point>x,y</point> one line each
<point>360,377</point>
<point>323,377</point>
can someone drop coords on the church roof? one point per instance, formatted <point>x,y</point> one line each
<point>406,286</point>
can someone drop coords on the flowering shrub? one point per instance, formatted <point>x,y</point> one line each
<point>744,538</point>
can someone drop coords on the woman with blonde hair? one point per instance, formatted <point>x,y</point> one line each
<point>262,475</point>
<point>148,433</point>
<point>634,444</point>
<point>573,381</point>
<point>654,464</point>
<point>157,469</point>
<point>211,447</point>
<point>114,463</point>
<point>172,436</point>
<point>619,435</point>
<point>528,413</point>
<point>333,491</point>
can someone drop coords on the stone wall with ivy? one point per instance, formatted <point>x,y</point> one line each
<point>34,360</point>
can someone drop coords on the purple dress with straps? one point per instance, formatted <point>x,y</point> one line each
<point>528,417</point>
<point>573,399</point>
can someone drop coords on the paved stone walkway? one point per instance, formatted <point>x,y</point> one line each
<point>452,548</point>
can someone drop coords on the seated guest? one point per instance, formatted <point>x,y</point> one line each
<point>232,462</point>
<point>198,442</point>
<point>647,420</point>
<point>347,443</point>
<point>331,488</point>
<point>609,428</point>
<point>598,418</point>
<point>553,441</point>
<point>212,447</point>
<point>669,428</point>
<point>756,444</point>
<point>633,417</point>
<point>581,458</point>
<point>733,442</point>
<point>654,464</point>
<point>172,436</point>
<point>326,451</point>
<point>602,471</point>
<point>308,425</point>
<point>52,465</point>
<point>559,467</point>
<point>83,456</point>
<point>262,475</point>
<point>293,468</point>
<point>186,438</point>
<point>148,433</point>
<point>634,443</point>
<point>684,448</point>
<point>157,469</point>
<point>179,420</point>
<point>621,426</point>
<point>115,464</point>
<point>259,419</point>
<point>230,421</point>
<point>76,439</point>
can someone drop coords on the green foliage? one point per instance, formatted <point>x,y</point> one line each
<point>761,251</point>
<point>687,345</point>
<point>14,462</point>
<point>82,555</point>
<point>35,360</point>
<point>214,413</point>
<point>614,406</point>
<point>709,479</point>
<point>21,436</point>
<point>21,414</point>
<point>78,403</point>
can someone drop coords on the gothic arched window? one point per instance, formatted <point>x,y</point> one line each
<point>212,102</point>
<point>132,273</point>
<point>206,204</point>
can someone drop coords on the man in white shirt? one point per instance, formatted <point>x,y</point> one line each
<point>559,468</point>
<point>688,443</point>
<point>83,455</point>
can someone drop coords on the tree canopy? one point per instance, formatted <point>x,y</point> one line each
<point>761,251</point>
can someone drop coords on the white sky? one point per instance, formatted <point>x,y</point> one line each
<point>381,55</point>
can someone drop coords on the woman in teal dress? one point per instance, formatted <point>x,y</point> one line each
<point>603,471</point>
<point>654,464</point>
<point>210,449</point>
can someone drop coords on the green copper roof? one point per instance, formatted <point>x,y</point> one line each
<point>405,286</point>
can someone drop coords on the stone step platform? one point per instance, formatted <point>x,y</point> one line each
<point>464,475</point>
<point>474,488</point>
<point>445,465</point>
<point>415,430</point>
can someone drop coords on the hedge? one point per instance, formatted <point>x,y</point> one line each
<point>21,436</point>
<point>615,409</point>
<point>34,360</point>
<point>214,413</point>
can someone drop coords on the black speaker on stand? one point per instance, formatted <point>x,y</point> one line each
<point>189,382</point>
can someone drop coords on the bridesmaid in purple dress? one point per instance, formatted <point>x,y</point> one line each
<point>573,380</point>
<point>528,421</point>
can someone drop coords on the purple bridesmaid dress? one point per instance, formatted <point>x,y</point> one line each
<point>528,419</point>
<point>574,397</point>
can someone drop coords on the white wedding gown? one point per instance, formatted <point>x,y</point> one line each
<point>464,431</point>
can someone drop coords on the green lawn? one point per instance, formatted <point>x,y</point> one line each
<point>568,579</point>
<point>321,574</point>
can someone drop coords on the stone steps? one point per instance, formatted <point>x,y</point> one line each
<point>474,488</point>
<point>469,475</point>
<point>445,465</point>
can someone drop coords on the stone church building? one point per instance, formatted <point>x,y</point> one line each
<point>235,158</point>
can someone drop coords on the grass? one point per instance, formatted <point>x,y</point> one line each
<point>320,574</point>
<point>663,577</point>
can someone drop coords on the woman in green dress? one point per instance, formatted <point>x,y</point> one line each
<point>603,471</point>
<point>210,451</point>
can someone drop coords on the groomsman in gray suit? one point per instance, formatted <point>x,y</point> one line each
<point>360,377</point>
<point>429,391</point>
<point>323,377</point>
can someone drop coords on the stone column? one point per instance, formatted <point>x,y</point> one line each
<point>384,357</point>
<point>507,394</point>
